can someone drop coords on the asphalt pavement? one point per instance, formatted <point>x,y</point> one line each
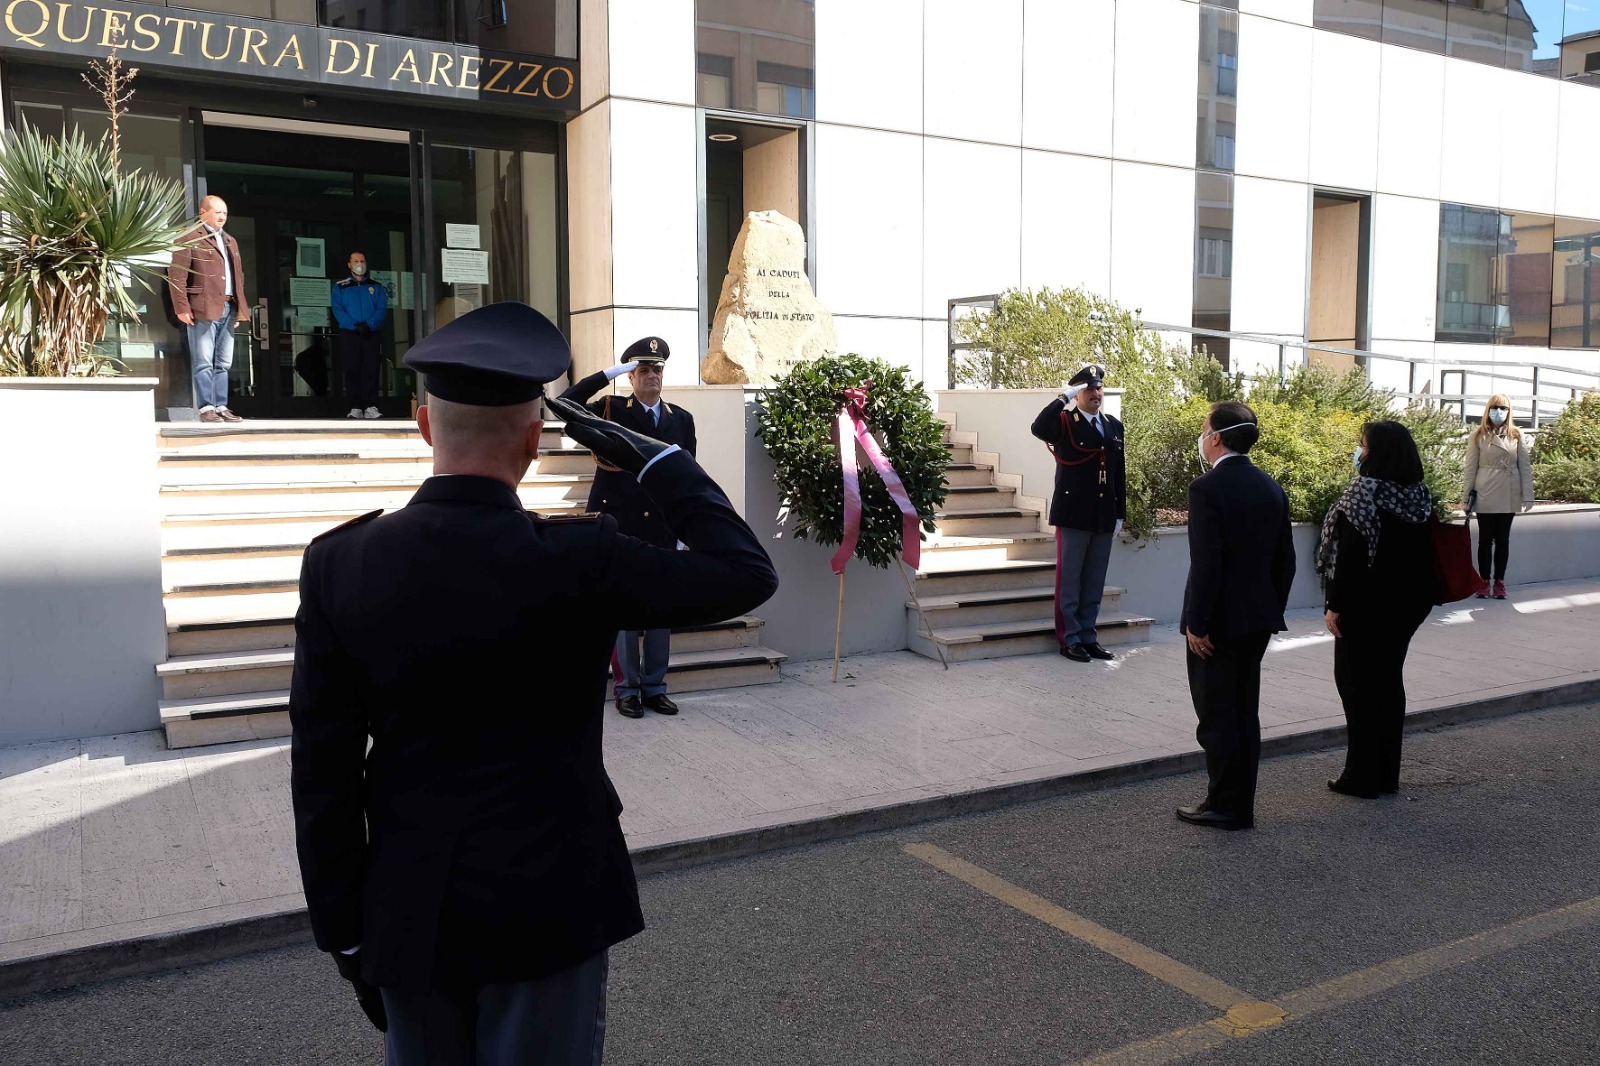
<point>1482,876</point>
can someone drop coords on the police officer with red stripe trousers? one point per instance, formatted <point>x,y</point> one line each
<point>1088,507</point>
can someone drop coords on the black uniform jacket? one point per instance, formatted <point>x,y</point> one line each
<point>1241,552</point>
<point>1083,499</point>
<point>477,840</point>
<point>616,493</point>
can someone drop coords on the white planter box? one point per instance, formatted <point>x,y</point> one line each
<point>81,620</point>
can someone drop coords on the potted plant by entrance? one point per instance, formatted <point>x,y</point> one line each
<point>80,597</point>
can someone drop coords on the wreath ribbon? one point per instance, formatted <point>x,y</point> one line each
<point>853,420</point>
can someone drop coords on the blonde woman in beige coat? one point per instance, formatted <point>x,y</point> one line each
<point>1499,483</point>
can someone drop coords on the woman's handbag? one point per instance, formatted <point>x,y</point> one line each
<point>1452,561</point>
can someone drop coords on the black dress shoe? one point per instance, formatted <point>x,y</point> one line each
<point>1096,651</point>
<point>1345,790</point>
<point>1076,652</point>
<point>660,704</point>
<point>629,707</point>
<point>1201,814</point>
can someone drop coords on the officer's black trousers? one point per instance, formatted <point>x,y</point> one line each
<point>1369,668</point>
<point>1226,690</point>
<point>360,355</point>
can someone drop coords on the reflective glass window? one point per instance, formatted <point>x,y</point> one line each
<point>1216,103</point>
<point>1419,24</point>
<point>1477,31</point>
<point>1469,245</point>
<point>1213,259</point>
<point>1522,278</point>
<point>1575,284</point>
<point>1357,18</point>
<point>757,57</point>
<point>534,27</point>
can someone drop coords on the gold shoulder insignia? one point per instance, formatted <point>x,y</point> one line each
<point>630,401</point>
<point>1076,417</point>
<point>666,408</point>
<point>586,516</point>
<point>358,520</point>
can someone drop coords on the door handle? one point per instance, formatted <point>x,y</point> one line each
<point>258,321</point>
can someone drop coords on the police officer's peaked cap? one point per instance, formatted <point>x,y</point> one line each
<point>647,350</point>
<point>1094,375</point>
<point>494,356</point>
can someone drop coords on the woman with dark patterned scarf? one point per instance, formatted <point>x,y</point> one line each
<point>1376,558</point>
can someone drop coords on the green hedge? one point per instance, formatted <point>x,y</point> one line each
<point>1566,453</point>
<point>1310,424</point>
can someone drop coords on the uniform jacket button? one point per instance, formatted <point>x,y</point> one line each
<point>647,514</point>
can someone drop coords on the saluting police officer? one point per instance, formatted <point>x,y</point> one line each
<point>1088,508</point>
<point>468,870</point>
<point>642,679</point>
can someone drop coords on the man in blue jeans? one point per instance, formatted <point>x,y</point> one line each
<point>207,283</point>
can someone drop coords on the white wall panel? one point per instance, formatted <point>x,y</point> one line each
<point>1578,158</point>
<point>869,221</point>
<point>1286,10</point>
<point>1269,255</point>
<point>1345,75</point>
<point>869,64</point>
<point>935,356</point>
<point>652,49</point>
<point>972,224</point>
<point>1066,92</point>
<point>1261,358</point>
<point>1156,80</point>
<point>1066,230</point>
<point>1274,99</point>
<point>972,70</point>
<point>1531,111</point>
<point>1470,153</point>
<point>1152,241</point>
<point>681,331</point>
<point>1405,268</point>
<point>654,208</point>
<point>1410,113</point>
<point>894,340</point>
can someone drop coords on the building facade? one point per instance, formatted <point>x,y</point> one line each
<point>1414,179</point>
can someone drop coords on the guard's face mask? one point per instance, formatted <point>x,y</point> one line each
<point>358,269</point>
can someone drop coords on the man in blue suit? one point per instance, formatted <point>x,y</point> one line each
<point>360,306</point>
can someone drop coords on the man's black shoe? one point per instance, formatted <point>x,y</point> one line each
<point>660,704</point>
<point>1096,651</point>
<point>1076,652</point>
<point>629,707</point>
<point>1202,814</point>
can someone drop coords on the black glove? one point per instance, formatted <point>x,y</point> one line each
<point>368,996</point>
<point>362,327</point>
<point>617,445</point>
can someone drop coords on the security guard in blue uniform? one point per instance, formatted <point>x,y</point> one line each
<point>468,870</point>
<point>641,677</point>
<point>1088,508</point>
<point>360,307</point>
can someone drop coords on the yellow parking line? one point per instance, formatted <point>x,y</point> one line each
<point>1163,968</point>
<point>1244,1015</point>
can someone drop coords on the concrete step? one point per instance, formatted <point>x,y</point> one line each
<point>987,522</point>
<point>1010,605</point>
<point>993,576</point>
<point>224,719</point>
<point>230,673</point>
<point>316,460</point>
<point>946,551</point>
<point>540,492</point>
<point>961,475</point>
<point>213,638</point>
<point>206,434</point>
<point>1035,637</point>
<point>962,498</point>
<point>959,453</point>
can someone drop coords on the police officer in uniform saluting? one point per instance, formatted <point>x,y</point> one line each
<point>1088,508</point>
<point>467,870</point>
<point>642,678</point>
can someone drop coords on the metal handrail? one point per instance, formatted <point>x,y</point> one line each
<point>1446,367</point>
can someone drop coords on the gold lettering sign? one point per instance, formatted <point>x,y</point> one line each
<point>284,52</point>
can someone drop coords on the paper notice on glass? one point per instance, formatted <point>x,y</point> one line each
<point>408,290</point>
<point>311,316</point>
<point>463,268</point>
<point>388,279</point>
<point>310,257</point>
<point>458,235</point>
<point>310,292</point>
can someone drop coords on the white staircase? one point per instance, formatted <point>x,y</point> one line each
<point>239,504</point>
<point>987,581</point>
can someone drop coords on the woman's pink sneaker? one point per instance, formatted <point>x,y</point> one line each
<point>1499,590</point>
<point>1483,591</point>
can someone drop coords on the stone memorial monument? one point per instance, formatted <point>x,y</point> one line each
<point>768,319</point>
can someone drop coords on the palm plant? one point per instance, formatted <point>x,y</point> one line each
<point>74,236</point>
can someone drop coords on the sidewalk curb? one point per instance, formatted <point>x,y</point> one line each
<point>65,960</point>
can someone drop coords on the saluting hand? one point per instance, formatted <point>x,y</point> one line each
<point>616,445</point>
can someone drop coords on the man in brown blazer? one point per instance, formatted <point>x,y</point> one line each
<point>207,282</point>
